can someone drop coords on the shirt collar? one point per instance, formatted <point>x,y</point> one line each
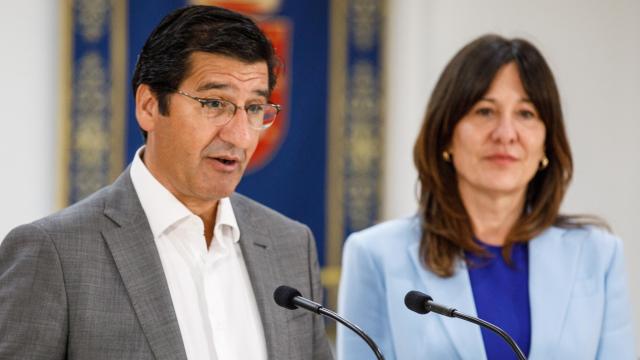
<point>161,207</point>
<point>226,217</point>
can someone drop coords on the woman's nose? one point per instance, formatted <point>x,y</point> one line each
<point>505,130</point>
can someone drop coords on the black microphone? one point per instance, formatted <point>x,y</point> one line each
<point>290,298</point>
<point>423,304</point>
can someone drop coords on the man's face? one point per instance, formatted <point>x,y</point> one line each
<point>199,161</point>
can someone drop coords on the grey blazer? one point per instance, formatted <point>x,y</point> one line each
<point>87,283</point>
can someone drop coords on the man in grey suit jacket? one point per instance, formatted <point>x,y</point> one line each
<point>96,281</point>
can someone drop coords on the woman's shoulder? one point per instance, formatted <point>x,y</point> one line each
<point>594,242</point>
<point>389,234</point>
<point>590,234</point>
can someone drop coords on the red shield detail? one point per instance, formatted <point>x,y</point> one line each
<point>278,30</point>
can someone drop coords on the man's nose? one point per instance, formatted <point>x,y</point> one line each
<point>238,131</point>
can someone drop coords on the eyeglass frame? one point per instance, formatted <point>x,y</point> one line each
<point>204,101</point>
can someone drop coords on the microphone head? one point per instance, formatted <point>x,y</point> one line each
<point>284,296</point>
<point>417,301</point>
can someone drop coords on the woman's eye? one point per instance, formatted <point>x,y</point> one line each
<point>527,114</point>
<point>484,111</point>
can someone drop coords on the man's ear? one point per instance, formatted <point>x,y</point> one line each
<point>147,112</point>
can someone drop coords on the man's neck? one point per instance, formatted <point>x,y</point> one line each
<point>208,216</point>
<point>206,210</point>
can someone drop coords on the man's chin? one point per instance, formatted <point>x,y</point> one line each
<point>220,192</point>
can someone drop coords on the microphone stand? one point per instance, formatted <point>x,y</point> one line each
<point>354,328</point>
<point>290,298</point>
<point>423,304</point>
<point>495,329</point>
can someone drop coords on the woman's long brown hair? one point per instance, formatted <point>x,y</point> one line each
<point>446,226</point>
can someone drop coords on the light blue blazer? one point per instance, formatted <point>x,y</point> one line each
<point>577,287</point>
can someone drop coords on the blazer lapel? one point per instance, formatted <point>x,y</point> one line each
<point>453,292</point>
<point>552,265</point>
<point>137,259</point>
<point>257,249</point>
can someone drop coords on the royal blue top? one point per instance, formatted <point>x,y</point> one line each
<point>501,295</point>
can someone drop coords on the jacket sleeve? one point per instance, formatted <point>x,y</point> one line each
<point>33,302</point>
<point>361,300</point>
<point>617,339</point>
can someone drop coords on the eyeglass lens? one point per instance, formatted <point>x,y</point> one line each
<point>259,115</point>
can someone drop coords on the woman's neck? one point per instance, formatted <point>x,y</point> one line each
<point>492,215</point>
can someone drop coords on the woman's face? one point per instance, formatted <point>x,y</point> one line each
<point>497,146</point>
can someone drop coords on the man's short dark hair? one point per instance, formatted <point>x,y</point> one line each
<point>164,60</point>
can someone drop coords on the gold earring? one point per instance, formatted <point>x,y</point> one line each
<point>544,163</point>
<point>446,156</point>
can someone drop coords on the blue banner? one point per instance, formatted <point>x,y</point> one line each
<point>93,108</point>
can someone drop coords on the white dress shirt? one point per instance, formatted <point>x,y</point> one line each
<point>210,288</point>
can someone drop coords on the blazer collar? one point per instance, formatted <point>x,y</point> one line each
<point>257,247</point>
<point>136,257</point>
<point>553,260</point>
<point>454,292</point>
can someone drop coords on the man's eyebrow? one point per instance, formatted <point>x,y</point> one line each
<point>211,86</point>
<point>263,93</point>
<point>217,86</point>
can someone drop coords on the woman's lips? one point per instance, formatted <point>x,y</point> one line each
<point>502,159</point>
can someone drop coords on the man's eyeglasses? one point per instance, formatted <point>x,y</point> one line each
<point>219,112</point>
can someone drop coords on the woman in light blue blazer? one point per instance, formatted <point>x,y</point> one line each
<point>494,163</point>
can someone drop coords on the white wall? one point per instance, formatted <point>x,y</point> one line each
<point>593,47</point>
<point>28,110</point>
